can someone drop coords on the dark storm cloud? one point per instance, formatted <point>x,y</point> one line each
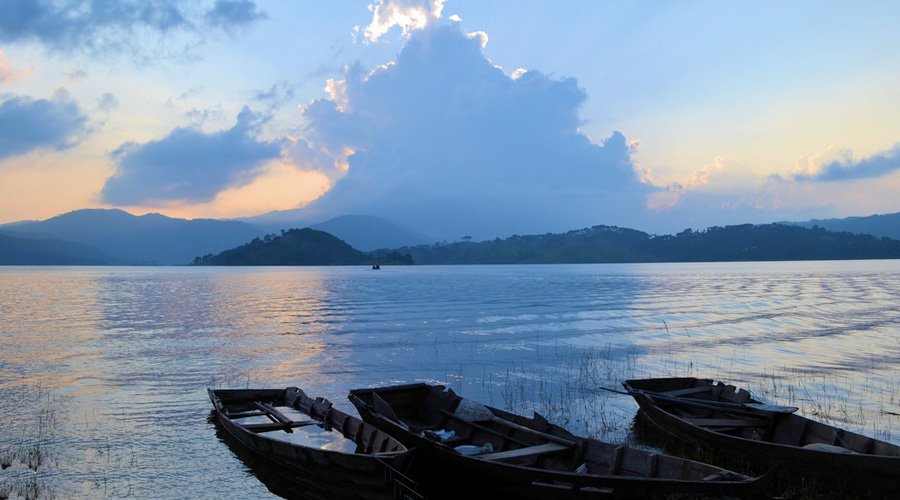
<point>27,124</point>
<point>446,142</point>
<point>189,164</point>
<point>97,25</point>
<point>848,169</point>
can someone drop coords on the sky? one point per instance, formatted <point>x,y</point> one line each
<point>453,117</point>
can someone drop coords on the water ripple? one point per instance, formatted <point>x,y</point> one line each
<point>121,357</point>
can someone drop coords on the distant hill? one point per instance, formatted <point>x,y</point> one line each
<point>371,233</point>
<point>295,247</point>
<point>296,217</point>
<point>26,251</point>
<point>746,242</point>
<point>145,239</point>
<point>876,225</point>
<point>363,232</point>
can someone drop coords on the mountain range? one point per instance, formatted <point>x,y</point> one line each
<point>111,236</point>
<point>51,252</point>
<point>876,225</point>
<point>146,239</point>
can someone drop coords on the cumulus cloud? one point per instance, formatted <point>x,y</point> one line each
<point>671,194</point>
<point>839,165</point>
<point>409,15</point>
<point>28,124</point>
<point>100,25</point>
<point>188,164</point>
<point>9,75</point>
<point>443,140</point>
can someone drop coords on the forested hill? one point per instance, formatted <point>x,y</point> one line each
<point>876,225</point>
<point>745,242</point>
<point>296,247</point>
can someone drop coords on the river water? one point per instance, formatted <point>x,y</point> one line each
<point>104,370</point>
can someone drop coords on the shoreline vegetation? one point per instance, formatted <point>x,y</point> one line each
<point>598,244</point>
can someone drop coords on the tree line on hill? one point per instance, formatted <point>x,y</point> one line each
<point>299,247</point>
<point>599,244</point>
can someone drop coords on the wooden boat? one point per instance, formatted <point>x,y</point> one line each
<point>327,453</point>
<point>727,421</point>
<point>468,449</point>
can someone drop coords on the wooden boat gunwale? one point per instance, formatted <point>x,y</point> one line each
<point>375,470</point>
<point>528,479</point>
<point>818,462</point>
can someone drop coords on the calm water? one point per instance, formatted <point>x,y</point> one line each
<point>107,368</point>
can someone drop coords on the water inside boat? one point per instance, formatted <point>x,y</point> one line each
<point>313,436</point>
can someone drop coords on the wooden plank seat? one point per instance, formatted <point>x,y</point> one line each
<point>276,426</point>
<point>540,449</point>
<point>483,428</point>
<point>727,422</point>
<point>272,413</point>
<point>245,414</point>
<point>686,392</point>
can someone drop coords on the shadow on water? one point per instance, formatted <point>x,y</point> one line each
<point>286,484</point>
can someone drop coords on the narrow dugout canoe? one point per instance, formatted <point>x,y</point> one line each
<point>327,453</point>
<point>518,457</point>
<point>727,421</point>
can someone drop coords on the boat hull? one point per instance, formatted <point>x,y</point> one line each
<point>873,472</point>
<point>439,468</point>
<point>321,473</point>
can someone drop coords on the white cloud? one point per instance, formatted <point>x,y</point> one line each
<point>672,193</point>
<point>337,93</point>
<point>445,141</point>
<point>811,164</point>
<point>481,36</point>
<point>409,15</point>
<point>9,75</point>
<point>836,165</point>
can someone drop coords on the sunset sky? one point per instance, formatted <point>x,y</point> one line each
<point>459,116</point>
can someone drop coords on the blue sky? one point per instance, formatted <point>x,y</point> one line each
<point>455,117</point>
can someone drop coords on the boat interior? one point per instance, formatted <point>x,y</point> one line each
<point>496,436</point>
<point>725,409</point>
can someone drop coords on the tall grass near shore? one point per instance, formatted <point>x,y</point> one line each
<point>29,444</point>
<point>562,383</point>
